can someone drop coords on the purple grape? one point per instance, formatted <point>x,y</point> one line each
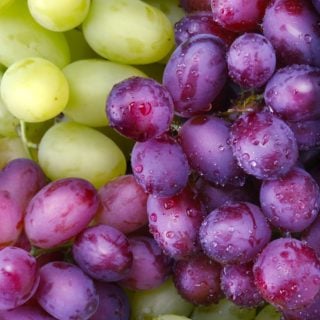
<point>292,26</point>
<point>103,252</point>
<point>150,266</point>
<point>234,233</point>
<point>160,166</point>
<point>311,235</point>
<point>195,5</point>
<point>19,277</point>
<point>26,312</point>
<point>291,202</point>
<point>59,211</point>
<point>197,279</point>
<point>205,139</point>
<point>237,283</point>
<point>195,74</point>
<point>65,292</point>
<point>123,204</point>
<point>139,108</point>
<point>294,92</point>
<point>264,145</point>
<point>113,302</point>
<point>316,4</point>
<point>251,60</point>
<point>174,223</point>
<point>287,274</point>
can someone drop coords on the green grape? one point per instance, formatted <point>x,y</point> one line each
<point>21,36</point>
<point>70,149</point>
<point>162,300</point>
<point>170,317</point>
<point>90,82</point>
<point>128,31</point>
<point>59,15</point>
<point>34,89</point>
<point>269,312</point>
<point>225,310</point>
<point>5,3</point>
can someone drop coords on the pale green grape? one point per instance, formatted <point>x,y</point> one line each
<point>59,15</point>
<point>90,83</point>
<point>21,37</point>
<point>225,310</point>
<point>34,89</point>
<point>170,317</point>
<point>70,149</point>
<point>269,312</point>
<point>164,299</point>
<point>128,31</point>
<point>5,3</point>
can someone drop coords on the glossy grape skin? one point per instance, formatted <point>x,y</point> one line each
<point>287,273</point>
<point>103,252</point>
<point>311,235</point>
<point>19,277</point>
<point>234,233</point>
<point>146,252</point>
<point>195,74</point>
<point>237,284</point>
<point>205,140</point>
<point>293,92</point>
<point>26,312</point>
<point>139,108</point>
<point>238,15</point>
<point>195,5</point>
<point>59,211</point>
<point>174,223</point>
<point>264,145</point>
<point>293,29</point>
<point>160,166</point>
<point>251,60</point>
<point>197,279</point>
<point>123,204</point>
<point>65,292</point>
<point>291,202</point>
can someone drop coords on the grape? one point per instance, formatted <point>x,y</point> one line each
<point>287,273</point>
<point>123,42</point>
<point>18,277</point>
<point>5,3</point>
<point>316,4</point>
<point>26,312</point>
<point>292,28</point>
<point>90,82</point>
<point>311,235</point>
<point>34,89</point>
<point>69,149</point>
<point>140,108</point>
<point>268,312</point>
<point>160,166</point>
<point>174,222</point>
<point>264,145</point>
<point>59,15</point>
<point>170,317</point>
<point>123,204</point>
<point>198,279</point>
<point>291,202</point>
<point>195,74</point>
<point>59,211</point>
<point>205,140</point>
<point>21,37</point>
<point>234,233</point>
<point>196,5</point>
<point>238,15</point>
<point>103,252</point>
<point>65,292</point>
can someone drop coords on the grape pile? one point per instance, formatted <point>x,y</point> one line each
<point>159,159</point>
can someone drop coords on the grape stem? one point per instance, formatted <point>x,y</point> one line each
<point>23,135</point>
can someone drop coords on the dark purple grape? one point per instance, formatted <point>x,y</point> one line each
<point>287,274</point>
<point>19,278</point>
<point>234,233</point>
<point>238,15</point>
<point>205,139</point>
<point>292,26</point>
<point>291,202</point>
<point>237,283</point>
<point>174,223</point>
<point>139,108</point>
<point>316,4</point>
<point>160,166</point>
<point>26,312</point>
<point>251,60</point>
<point>197,279</point>
<point>311,235</point>
<point>264,145</point>
<point>294,92</point>
<point>195,5</point>
<point>150,266</point>
<point>103,252</point>
<point>195,74</point>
